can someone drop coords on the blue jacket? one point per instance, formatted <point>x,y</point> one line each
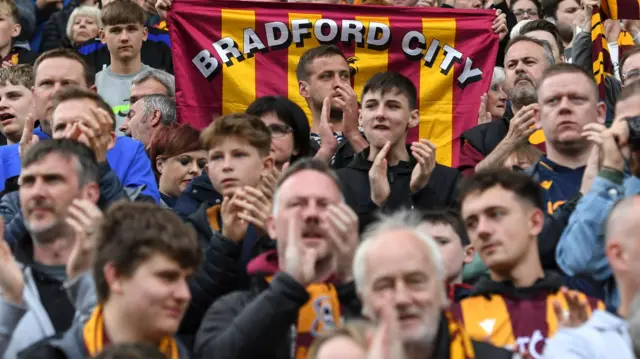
<point>41,19</point>
<point>199,191</point>
<point>581,250</point>
<point>127,158</point>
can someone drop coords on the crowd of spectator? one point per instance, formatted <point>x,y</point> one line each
<point>127,233</point>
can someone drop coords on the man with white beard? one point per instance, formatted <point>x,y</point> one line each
<point>398,265</point>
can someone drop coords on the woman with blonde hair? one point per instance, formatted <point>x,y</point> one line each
<point>84,24</point>
<point>72,26</point>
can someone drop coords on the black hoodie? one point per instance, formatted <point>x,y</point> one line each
<point>440,191</point>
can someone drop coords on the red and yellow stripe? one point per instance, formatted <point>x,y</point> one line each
<point>436,97</point>
<point>239,85</point>
<point>260,75</point>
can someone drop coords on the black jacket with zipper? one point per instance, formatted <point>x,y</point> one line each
<point>219,274</point>
<point>441,190</point>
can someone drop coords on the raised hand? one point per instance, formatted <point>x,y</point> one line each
<point>72,132</point>
<point>615,145</point>
<point>378,181</point>
<point>269,180</point>
<point>83,216</point>
<point>98,132</point>
<point>11,277</point>
<point>299,260</point>
<point>328,142</point>
<point>499,25</point>
<point>577,313</point>
<point>162,7</point>
<point>342,229</point>
<point>347,100</point>
<point>233,226</point>
<point>484,116</point>
<point>523,124</point>
<point>387,342</point>
<point>255,207</point>
<point>425,153</point>
<point>28,139</point>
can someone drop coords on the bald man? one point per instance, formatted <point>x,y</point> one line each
<point>606,333</point>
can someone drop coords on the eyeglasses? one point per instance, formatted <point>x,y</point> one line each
<point>278,130</point>
<point>530,12</point>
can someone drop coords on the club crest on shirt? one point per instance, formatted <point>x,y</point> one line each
<point>324,316</point>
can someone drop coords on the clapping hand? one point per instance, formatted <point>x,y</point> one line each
<point>28,139</point>
<point>84,217</point>
<point>11,277</point>
<point>425,154</point>
<point>299,260</point>
<point>577,312</point>
<point>386,342</point>
<point>342,228</point>
<point>378,181</point>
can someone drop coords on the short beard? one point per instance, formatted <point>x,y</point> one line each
<point>335,115</point>
<point>523,96</point>
<point>47,235</point>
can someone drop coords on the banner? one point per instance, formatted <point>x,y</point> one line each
<point>614,10</point>
<point>228,53</point>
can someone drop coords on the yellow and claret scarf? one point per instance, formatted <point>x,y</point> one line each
<point>460,346</point>
<point>319,314</point>
<point>95,339</point>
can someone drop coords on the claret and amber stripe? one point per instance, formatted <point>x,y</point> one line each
<point>230,53</point>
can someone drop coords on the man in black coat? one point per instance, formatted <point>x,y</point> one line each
<point>304,287</point>
<point>389,174</point>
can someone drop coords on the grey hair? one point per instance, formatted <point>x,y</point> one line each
<point>498,76</point>
<point>517,29</point>
<point>165,104</point>
<point>548,52</point>
<point>165,78</point>
<point>403,220</point>
<point>89,11</point>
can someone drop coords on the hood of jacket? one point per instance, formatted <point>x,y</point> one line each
<point>550,283</point>
<point>265,264</point>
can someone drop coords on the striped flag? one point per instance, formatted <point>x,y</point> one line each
<point>620,9</point>
<point>602,66</point>
<point>614,10</point>
<point>228,53</point>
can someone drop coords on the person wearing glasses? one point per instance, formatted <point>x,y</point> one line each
<point>526,9</point>
<point>288,125</point>
<point>630,66</point>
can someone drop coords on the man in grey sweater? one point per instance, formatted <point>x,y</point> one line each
<point>124,33</point>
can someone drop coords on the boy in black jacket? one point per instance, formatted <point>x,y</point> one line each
<point>389,174</point>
